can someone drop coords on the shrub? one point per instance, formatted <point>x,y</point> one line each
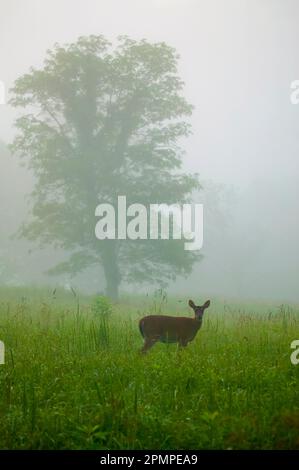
<point>101,306</point>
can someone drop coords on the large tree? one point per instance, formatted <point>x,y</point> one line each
<point>102,121</point>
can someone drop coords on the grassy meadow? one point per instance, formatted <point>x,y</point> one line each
<point>74,378</point>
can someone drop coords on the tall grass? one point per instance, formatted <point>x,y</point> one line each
<point>74,380</point>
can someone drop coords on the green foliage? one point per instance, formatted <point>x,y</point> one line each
<point>101,306</point>
<point>65,387</point>
<point>99,122</point>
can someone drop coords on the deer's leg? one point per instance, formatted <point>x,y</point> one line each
<point>148,343</point>
<point>183,343</point>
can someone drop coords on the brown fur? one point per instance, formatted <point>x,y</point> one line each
<point>168,329</point>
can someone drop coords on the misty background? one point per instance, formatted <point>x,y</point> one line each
<point>237,59</point>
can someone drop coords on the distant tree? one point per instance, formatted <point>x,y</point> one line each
<point>102,122</point>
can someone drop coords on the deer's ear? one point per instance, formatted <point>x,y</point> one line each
<point>191,304</point>
<point>206,304</point>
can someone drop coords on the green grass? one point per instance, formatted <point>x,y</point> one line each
<point>76,381</point>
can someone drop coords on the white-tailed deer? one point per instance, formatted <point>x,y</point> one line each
<point>166,329</point>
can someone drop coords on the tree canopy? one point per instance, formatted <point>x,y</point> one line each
<point>99,121</point>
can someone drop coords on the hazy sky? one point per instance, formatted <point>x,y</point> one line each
<point>238,59</point>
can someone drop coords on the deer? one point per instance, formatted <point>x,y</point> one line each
<point>166,329</point>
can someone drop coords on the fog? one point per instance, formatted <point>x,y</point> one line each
<point>237,59</point>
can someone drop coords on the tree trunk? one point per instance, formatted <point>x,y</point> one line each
<point>112,289</point>
<point>111,269</point>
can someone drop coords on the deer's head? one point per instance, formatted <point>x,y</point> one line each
<point>199,309</point>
